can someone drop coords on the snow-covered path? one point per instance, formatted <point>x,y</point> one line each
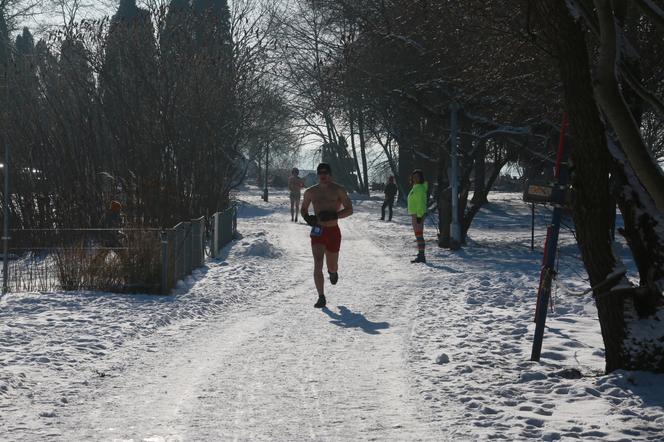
<point>403,352</point>
<point>281,369</point>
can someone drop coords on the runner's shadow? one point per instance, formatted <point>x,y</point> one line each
<point>346,318</point>
<point>443,267</point>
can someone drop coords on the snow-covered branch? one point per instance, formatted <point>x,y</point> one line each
<point>653,11</point>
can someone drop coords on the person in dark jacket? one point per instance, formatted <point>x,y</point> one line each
<point>112,222</point>
<point>111,238</point>
<point>390,193</point>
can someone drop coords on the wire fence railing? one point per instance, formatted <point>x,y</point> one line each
<point>123,260</point>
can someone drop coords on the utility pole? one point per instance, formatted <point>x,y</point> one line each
<point>455,242</point>
<point>5,232</point>
<point>267,162</point>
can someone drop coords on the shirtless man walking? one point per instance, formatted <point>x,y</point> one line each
<point>327,198</point>
<point>295,183</point>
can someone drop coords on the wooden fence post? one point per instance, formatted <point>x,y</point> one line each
<point>164,262</point>
<point>187,249</point>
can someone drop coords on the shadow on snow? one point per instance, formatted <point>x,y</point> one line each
<point>347,319</point>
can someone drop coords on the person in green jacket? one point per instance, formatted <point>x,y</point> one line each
<point>417,207</point>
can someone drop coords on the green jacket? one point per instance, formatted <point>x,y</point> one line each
<point>417,200</point>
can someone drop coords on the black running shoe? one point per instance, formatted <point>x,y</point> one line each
<point>334,277</point>
<point>419,258</point>
<point>321,302</point>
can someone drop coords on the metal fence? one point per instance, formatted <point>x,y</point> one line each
<point>224,228</point>
<point>183,249</point>
<point>116,260</point>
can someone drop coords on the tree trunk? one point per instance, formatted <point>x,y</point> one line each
<point>480,196</point>
<point>643,229</point>
<point>591,161</point>
<point>363,151</point>
<point>352,144</point>
<point>405,168</point>
<point>644,308</point>
<point>609,97</point>
<point>444,199</point>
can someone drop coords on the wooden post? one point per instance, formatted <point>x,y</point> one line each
<point>164,263</point>
<point>532,227</point>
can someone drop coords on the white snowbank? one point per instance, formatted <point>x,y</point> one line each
<point>403,352</point>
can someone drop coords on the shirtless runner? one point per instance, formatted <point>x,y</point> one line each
<point>327,198</point>
<point>295,183</point>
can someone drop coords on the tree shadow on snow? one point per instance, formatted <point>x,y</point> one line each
<point>347,319</point>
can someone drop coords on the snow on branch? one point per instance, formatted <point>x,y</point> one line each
<point>506,130</point>
<point>579,11</point>
<point>653,11</point>
<point>648,205</point>
<point>406,40</point>
<point>643,92</point>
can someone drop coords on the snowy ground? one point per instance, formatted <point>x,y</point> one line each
<point>404,352</point>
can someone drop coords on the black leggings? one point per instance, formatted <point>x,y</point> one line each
<point>388,203</point>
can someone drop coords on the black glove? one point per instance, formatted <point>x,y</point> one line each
<point>419,220</point>
<point>312,220</point>
<point>328,215</point>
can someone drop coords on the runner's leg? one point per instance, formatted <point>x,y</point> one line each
<point>418,230</point>
<point>318,250</point>
<point>332,246</point>
<point>332,261</point>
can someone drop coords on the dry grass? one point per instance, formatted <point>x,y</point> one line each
<point>133,267</point>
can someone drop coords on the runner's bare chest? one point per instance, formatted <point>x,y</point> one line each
<point>326,198</point>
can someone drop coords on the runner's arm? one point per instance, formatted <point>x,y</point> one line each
<point>345,201</point>
<point>304,208</point>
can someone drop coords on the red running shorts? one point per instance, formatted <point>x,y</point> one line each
<point>330,238</point>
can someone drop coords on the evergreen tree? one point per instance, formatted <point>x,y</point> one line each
<point>176,35</point>
<point>130,45</point>
<point>130,97</point>
<point>25,43</point>
<point>26,71</point>
<point>5,45</point>
<point>212,27</point>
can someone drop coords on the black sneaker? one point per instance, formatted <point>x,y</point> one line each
<point>419,258</point>
<point>334,277</point>
<point>321,302</point>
